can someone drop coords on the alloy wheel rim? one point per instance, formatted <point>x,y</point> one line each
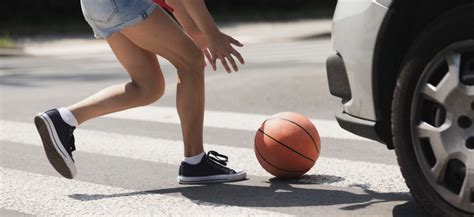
<point>442,124</point>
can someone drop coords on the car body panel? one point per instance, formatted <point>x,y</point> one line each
<point>356,25</point>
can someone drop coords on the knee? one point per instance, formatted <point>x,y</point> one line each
<point>150,95</point>
<point>150,92</point>
<point>191,64</point>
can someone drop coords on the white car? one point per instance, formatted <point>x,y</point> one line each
<point>404,70</point>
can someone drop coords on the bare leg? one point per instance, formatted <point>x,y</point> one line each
<point>161,35</point>
<point>146,85</point>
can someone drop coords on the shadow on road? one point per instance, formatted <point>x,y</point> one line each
<point>279,193</point>
<point>410,208</point>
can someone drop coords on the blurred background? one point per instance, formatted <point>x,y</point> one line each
<point>23,18</point>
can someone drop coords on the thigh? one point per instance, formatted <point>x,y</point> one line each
<point>142,65</point>
<point>160,34</point>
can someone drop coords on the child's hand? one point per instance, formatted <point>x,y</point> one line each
<point>220,47</point>
<point>201,41</point>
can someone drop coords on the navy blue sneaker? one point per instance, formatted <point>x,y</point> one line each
<point>212,168</point>
<point>58,141</point>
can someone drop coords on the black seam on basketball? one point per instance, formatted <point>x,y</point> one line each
<point>286,146</point>
<point>312,139</point>
<point>268,162</point>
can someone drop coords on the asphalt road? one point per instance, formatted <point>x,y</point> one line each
<point>128,162</point>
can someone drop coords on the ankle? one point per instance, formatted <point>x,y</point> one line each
<point>68,117</point>
<point>196,159</point>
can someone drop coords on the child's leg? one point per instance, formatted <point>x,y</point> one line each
<point>161,35</point>
<point>146,85</point>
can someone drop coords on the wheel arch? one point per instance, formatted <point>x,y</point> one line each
<point>401,26</point>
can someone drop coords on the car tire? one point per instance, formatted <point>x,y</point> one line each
<point>452,30</point>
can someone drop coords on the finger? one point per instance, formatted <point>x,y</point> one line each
<point>232,62</point>
<point>205,64</point>
<point>235,42</point>
<point>239,57</point>
<point>224,63</point>
<point>214,60</point>
<point>209,59</point>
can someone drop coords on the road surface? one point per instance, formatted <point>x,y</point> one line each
<point>128,162</point>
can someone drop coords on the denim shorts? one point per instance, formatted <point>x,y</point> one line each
<point>109,16</point>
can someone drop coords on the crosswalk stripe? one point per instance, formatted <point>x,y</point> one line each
<point>289,44</point>
<point>225,120</point>
<point>245,53</point>
<point>286,54</point>
<point>249,58</point>
<point>286,60</point>
<point>300,51</point>
<point>336,172</point>
<point>310,50</point>
<point>51,196</point>
<point>274,56</point>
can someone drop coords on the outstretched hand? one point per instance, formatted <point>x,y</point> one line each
<point>201,41</point>
<point>219,47</point>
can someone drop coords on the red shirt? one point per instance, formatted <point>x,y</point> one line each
<point>163,4</point>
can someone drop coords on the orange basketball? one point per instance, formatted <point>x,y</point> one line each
<point>287,145</point>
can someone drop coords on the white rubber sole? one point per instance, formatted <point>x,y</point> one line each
<point>238,176</point>
<point>55,151</point>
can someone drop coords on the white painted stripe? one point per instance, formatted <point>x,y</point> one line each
<point>337,172</point>
<point>269,59</point>
<point>268,48</point>
<point>284,54</point>
<point>100,65</point>
<point>286,60</point>
<point>288,51</point>
<point>289,44</point>
<point>304,51</point>
<point>51,196</point>
<point>245,54</point>
<point>225,120</point>
<point>309,57</point>
<point>105,61</point>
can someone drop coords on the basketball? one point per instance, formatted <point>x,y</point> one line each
<point>287,145</point>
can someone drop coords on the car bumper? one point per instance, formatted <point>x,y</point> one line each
<point>339,86</point>
<point>358,126</point>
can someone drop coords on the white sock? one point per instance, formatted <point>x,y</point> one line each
<point>194,159</point>
<point>68,117</point>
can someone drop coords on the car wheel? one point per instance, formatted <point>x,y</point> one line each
<point>433,116</point>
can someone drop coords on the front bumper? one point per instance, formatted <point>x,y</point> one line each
<point>361,127</point>
<point>339,86</point>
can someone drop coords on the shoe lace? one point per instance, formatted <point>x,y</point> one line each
<point>218,158</point>
<point>218,161</point>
